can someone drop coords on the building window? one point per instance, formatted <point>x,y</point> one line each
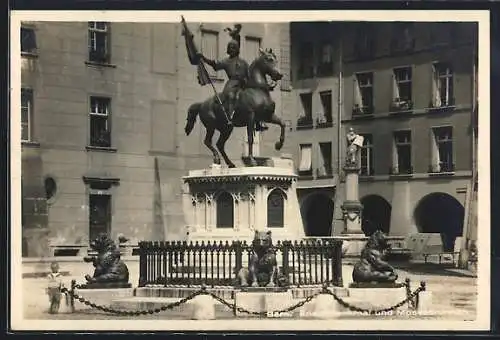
<point>99,42</point>
<point>326,118</point>
<point>306,61</point>
<point>252,48</point>
<point>325,67</point>
<point>100,129</point>
<point>442,86</point>
<point>210,49</point>
<point>225,210</point>
<point>367,168</point>
<point>402,40</point>
<point>364,41</point>
<point>305,167</point>
<point>402,153</point>
<point>401,87</point>
<point>276,209</point>
<point>99,215</point>
<point>363,93</point>
<point>325,168</point>
<point>305,120</point>
<point>26,114</point>
<point>442,149</point>
<point>28,41</point>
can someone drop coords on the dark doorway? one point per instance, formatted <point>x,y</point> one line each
<point>317,213</point>
<point>440,213</point>
<point>100,215</point>
<point>376,214</point>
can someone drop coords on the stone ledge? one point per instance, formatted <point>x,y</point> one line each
<point>101,297</point>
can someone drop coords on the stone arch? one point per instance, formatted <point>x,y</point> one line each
<point>376,214</point>
<point>276,208</point>
<point>317,214</point>
<point>224,202</point>
<point>440,213</point>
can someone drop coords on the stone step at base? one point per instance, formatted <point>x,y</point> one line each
<point>226,293</point>
<point>180,292</point>
<point>186,310</point>
<point>151,303</point>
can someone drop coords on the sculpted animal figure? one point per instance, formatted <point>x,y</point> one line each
<point>371,267</point>
<point>109,268</point>
<point>252,104</point>
<point>262,268</point>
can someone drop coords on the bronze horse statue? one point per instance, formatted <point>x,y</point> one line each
<point>254,104</point>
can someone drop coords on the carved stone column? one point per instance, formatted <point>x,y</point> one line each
<point>352,207</point>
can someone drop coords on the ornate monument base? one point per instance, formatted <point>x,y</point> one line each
<point>231,203</point>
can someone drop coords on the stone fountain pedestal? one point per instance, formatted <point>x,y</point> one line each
<point>353,235</point>
<point>246,198</point>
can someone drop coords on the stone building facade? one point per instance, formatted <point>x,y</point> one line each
<point>103,112</point>
<point>410,90</point>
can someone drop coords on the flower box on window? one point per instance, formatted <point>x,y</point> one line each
<point>359,111</point>
<point>394,170</point>
<point>398,105</point>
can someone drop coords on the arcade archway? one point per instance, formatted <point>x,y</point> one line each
<point>317,214</point>
<point>440,213</point>
<point>376,214</point>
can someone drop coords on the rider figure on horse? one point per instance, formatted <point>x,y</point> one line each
<point>237,72</point>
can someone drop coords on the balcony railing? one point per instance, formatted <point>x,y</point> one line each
<point>324,121</point>
<point>401,106</point>
<point>305,122</point>
<point>442,168</point>
<point>444,106</point>
<point>362,111</point>
<point>367,171</point>
<point>400,171</point>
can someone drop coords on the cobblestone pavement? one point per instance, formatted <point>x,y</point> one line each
<point>449,293</point>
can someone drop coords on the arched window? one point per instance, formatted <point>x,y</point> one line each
<point>225,210</point>
<point>275,209</point>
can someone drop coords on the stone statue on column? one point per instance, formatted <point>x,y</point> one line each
<point>354,143</point>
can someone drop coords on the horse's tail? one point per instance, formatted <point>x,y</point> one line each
<point>193,112</point>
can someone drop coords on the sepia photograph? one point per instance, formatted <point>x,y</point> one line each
<point>265,170</point>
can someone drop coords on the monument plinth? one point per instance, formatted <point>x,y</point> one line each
<point>232,203</point>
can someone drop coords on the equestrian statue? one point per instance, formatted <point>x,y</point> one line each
<point>245,100</point>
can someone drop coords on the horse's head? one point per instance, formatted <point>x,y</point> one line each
<point>266,62</point>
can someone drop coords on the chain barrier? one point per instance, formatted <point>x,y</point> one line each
<point>129,313</point>
<point>411,299</point>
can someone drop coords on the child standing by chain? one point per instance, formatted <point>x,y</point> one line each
<point>54,288</point>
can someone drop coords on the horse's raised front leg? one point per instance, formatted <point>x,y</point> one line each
<point>277,121</point>
<point>208,143</point>
<point>221,142</point>
<point>250,134</point>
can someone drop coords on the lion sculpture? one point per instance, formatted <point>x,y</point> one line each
<point>371,267</point>
<point>262,268</point>
<point>109,268</point>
